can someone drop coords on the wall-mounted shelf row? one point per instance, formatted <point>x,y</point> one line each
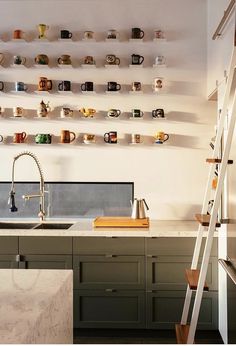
<point>84,66</point>
<point>70,93</point>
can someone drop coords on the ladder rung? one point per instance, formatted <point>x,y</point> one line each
<point>181,333</point>
<point>204,219</point>
<point>192,276</point>
<point>218,161</point>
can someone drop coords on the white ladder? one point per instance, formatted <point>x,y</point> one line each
<point>196,278</point>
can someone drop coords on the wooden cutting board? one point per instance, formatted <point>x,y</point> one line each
<point>120,222</point>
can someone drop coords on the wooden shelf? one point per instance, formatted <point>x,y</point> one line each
<point>218,161</point>
<point>181,333</point>
<point>204,219</point>
<point>192,277</point>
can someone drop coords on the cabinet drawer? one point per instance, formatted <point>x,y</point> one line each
<point>46,262</point>
<point>102,309</point>
<point>175,246</point>
<point>8,261</point>
<point>168,272</point>
<point>45,245</point>
<point>164,309</point>
<point>107,245</point>
<point>109,272</point>
<point>8,245</point>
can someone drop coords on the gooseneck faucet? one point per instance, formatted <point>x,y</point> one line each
<point>11,201</point>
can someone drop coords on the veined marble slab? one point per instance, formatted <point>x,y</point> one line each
<point>36,306</point>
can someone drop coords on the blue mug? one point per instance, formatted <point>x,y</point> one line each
<point>20,86</point>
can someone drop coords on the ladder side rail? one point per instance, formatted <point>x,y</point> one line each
<point>208,246</point>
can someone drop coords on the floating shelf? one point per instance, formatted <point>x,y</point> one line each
<point>63,92</point>
<point>20,40</point>
<point>41,66</point>
<point>160,40</point>
<point>135,66</point>
<point>136,40</point>
<point>140,92</point>
<point>111,66</point>
<point>88,92</point>
<point>65,39</point>
<point>89,142</point>
<point>20,66</point>
<point>159,65</point>
<point>192,277</point>
<point>131,143</point>
<point>65,65</point>
<point>181,333</point>
<point>88,66</point>
<point>230,162</point>
<point>112,40</point>
<point>23,92</point>
<point>44,40</point>
<point>42,92</point>
<point>136,118</point>
<point>117,92</point>
<point>88,40</point>
<point>204,219</point>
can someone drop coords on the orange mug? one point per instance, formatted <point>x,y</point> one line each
<point>67,136</point>
<point>17,34</point>
<point>44,84</point>
<point>19,137</point>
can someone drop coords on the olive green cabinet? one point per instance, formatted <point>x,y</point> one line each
<point>8,252</point>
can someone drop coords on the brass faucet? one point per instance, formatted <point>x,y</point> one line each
<point>40,195</point>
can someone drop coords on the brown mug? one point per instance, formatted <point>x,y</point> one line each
<point>44,84</point>
<point>67,136</point>
<point>17,34</point>
<point>19,137</point>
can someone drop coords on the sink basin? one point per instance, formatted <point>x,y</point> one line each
<point>51,225</point>
<point>17,225</point>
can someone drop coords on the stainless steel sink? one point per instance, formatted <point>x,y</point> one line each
<point>17,225</point>
<point>51,225</point>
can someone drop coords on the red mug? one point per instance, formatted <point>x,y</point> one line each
<point>19,137</point>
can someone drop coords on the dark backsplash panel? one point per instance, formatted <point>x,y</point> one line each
<point>70,199</point>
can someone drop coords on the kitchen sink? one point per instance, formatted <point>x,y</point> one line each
<point>51,225</point>
<point>36,225</point>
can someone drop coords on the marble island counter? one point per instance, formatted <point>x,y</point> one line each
<point>32,306</point>
<point>84,228</point>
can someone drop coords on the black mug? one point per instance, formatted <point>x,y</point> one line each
<point>137,33</point>
<point>158,113</point>
<point>137,59</point>
<point>113,86</point>
<point>110,137</point>
<point>1,86</point>
<point>66,34</point>
<point>87,86</point>
<point>65,85</point>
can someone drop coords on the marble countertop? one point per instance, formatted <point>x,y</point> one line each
<point>33,308</point>
<point>84,228</point>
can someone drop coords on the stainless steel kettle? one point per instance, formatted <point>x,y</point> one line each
<point>138,208</point>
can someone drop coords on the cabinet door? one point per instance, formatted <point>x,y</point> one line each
<point>46,262</point>
<point>127,272</point>
<point>164,309</point>
<point>168,272</point>
<point>45,245</point>
<point>109,309</point>
<point>9,245</point>
<point>8,261</point>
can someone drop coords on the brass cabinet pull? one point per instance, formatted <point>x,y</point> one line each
<point>20,258</point>
<point>110,290</point>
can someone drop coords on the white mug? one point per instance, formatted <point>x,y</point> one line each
<point>160,60</point>
<point>157,84</point>
<point>18,111</point>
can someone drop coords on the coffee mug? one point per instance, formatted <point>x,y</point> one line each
<point>88,35</point>
<point>113,86</point>
<point>111,59</point>
<point>110,137</point>
<point>112,34</point>
<point>19,60</point>
<point>20,86</point>
<point>1,86</point>
<point>161,137</point>
<point>158,113</point>
<point>67,136</point>
<point>137,33</point>
<point>1,110</point>
<point>66,112</point>
<point>158,34</point>
<point>136,86</point>
<point>87,86</point>
<point>41,59</point>
<point>137,59</point>
<point>18,111</point>
<point>1,58</point>
<point>44,84</point>
<point>19,137</point>
<point>160,60</point>
<point>137,113</point>
<point>65,34</point>
<point>64,85</point>
<point>88,138</point>
<point>1,138</point>
<point>88,112</point>
<point>89,60</point>
<point>64,60</point>
<point>43,138</point>
<point>113,113</point>
<point>17,34</point>
<point>135,138</point>
<point>157,84</point>
<point>42,29</point>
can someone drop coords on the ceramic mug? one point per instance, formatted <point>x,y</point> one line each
<point>43,138</point>
<point>64,85</point>
<point>113,113</point>
<point>1,58</point>
<point>110,137</point>
<point>19,60</point>
<point>157,84</point>
<point>20,86</point>
<point>113,86</point>
<point>135,138</point>
<point>137,59</point>
<point>89,60</point>
<point>87,86</point>
<point>160,60</point>
<point>88,112</point>
<point>1,138</point>
<point>66,112</point>
<point>19,137</point>
<point>67,136</point>
<point>1,85</point>
<point>18,111</point>
<point>88,35</point>
<point>137,33</point>
<point>161,137</point>
<point>112,34</point>
<point>41,59</point>
<point>111,59</point>
<point>88,138</point>
<point>42,29</point>
<point>17,34</point>
<point>64,60</point>
<point>66,34</point>
<point>44,84</point>
<point>136,86</point>
<point>158,113</point>
<point>158,34</point>
<point>137,113</point>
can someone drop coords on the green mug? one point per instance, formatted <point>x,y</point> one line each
<point>43,138</point>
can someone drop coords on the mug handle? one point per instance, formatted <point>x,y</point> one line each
<point>2,86</point>
<point>141,113</point>
<point>59,60</point>
<point>142,59</point>
<point>118,112</point>
<point>70,34</point>
<point>117,61</point>
<point>60,86</point>
<point>23,60</point>
<point>154,113</point>
<point>49,84</point>
<point>82,87</point>
<point>118,86</point>
<point>142,33</point>
<point>167,137</point>
<point>1,138</point>
<point>106,137</point>
<point>73,136</point>
<point>24,135</point>
<point>25,87</point>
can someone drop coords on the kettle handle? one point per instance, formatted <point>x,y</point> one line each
<point>145,204</point>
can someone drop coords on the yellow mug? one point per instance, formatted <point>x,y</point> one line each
<point>161,137</point>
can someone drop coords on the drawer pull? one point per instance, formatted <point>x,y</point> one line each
<point>109,256</point>
<point>110,290</point>
<point>20,258</point>
<point>151,256</point>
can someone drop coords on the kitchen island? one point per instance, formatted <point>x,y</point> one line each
<point>33,308</point>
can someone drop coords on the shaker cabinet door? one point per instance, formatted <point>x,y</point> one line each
<point>8,262</point>
<point>46,262</point>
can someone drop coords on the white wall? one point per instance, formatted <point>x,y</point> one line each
<point>171,177</point>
